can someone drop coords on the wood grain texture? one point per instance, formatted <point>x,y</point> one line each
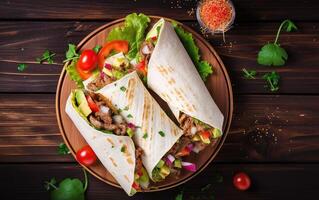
<point>29,132</point>
<point>272,181</point>
<point>299,76</point>
<point>108,9</point>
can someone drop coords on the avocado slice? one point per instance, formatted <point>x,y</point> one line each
<point>130,132</point>
<point>204,139</point>
<point>144,180</point>
<point>196,138</point>
<point>164,171</point>
<point>177,163</point>
<point>81,101</point>
<point>216,133</point>
<point>79,96</point>
<point>160,164</point>
<point>85,109</point>
<point>155,29</point>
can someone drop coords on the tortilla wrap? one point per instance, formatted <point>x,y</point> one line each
<point>138,107</point>
<point>173,76</point>
<point>107,148</point>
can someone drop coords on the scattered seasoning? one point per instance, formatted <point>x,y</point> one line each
<point>63,149</point>
<point>145,135</point>
<point>126,108</point>
<point>123,148</point>
<point>249,74</point>
<point>161,133</point>
<point>123,89</point>
<point>22,67</point>
<point>46,56</point>
<point>129,116</point>
<point>216,15</point>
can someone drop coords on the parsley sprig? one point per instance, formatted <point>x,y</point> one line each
<point>46,56</point>
<point>63,149</point>
<point>272,79</point>
<point>249,74</point>
<point>71,54</point>
<point>22,67</point>
<point>273,53</point>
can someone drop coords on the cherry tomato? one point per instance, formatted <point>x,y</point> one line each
<point>116,45</point>
<point>88,60</point>
<point>241,181</point>
<point>83,74</point>
<point>86,156</point>
<point>92,105</point>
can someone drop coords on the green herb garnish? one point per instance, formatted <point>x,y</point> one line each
<point>68,189</point>
<point>129,116</point>
<point>179,196</point>
<point>71,53</point>
<point>145,135</point>
<point>123,89</point>
<point>63,149</point>
<point>126,108</point>
<point>97,48</point>
<point>272,79</point>
<point>22,67</point>
<point>272,53</point>
<point>123,149</point>
<point>161,133</point>
<point>249,74</point>
<point>46,56</point>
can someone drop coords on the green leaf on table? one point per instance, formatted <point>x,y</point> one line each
<point>272,54</point>
<point>272,79</point>
<point>203,67</point>
<point>22,67</point>
<point>63,149</point>
<point>289,26</point>
<point>46,56</point>
<point>249,74</point>
<point>71,54</point>
<point>179,196</point>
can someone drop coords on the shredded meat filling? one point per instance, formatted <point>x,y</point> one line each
<point>146,55</point>
<point>99,82</point>
<point>138,156</point>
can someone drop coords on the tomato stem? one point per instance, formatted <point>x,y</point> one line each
<point>85,179</point>
<point>279,30</point>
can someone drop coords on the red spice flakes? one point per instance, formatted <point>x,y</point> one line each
<point>216,15</point>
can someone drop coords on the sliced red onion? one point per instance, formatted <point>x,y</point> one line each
<point>170,159</point>
<point>104,109</point>
<point>146,50</point>
<point>193,130</point>
<point>130,125</point>
<point>118,119</point>
<point>190,146</point>
<point>108,66</point>
<point>189,166</point>
<point>102,75</point>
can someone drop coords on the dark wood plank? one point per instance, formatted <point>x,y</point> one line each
<point>265,129</point>
<point>24,41</point>
<point>101,9</point>
<point>272,181</point>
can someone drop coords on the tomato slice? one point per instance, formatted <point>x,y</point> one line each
<point>86,156</point>
<point>205,134</point>
<point>141,67</point>
<point>92,105</point>
<point>116,45</point>
<point>135,186</point>
<point>184,152</point>
<point>154,38</point>
<point>83,74</point>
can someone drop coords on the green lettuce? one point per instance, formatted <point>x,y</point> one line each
<point>203,67</point>
<point>74,75</point>
<point>133,31</point>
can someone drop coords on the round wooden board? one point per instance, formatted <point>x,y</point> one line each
<point>218,84</point>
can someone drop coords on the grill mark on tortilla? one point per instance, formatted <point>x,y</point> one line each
<point>130,90</point>
<point>162,70</point>
<point>110,141</point>
<point>171,81</point>
<point>126,178</point>
<point>113,161</point>
<point>170,69</point>
<point>146,110</point>
<point>130,161</point>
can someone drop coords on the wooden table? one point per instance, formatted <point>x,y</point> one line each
<point>274,136</point>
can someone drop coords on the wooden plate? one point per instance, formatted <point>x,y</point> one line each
<point>218,84</point>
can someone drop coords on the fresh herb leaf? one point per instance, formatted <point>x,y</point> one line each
<point>123,89</point>
<point>179,196</point>
<point>63,149</point>
<point>249,74</point>
<point>68,189</point>
<point>126,108</point>
<point>74,75</point>
<point>123,148</point>
<point>129,116</point>
<point>119,110</point>
<point>46,56</point>
<point>272,79</point>
<point>97,48</point>
<point>145,135</point>
<point>203,67</point>
<point>71,53</point>
<point>161,133</point>
<point>272,53</point>
<point>133,31</point>
<point>22,67</point>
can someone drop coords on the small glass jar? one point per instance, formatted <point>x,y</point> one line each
<point>205,27</point>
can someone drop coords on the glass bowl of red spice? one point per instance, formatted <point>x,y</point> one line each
<point>215,16</point>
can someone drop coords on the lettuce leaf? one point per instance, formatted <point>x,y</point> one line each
<point>133,31</point>
<point>203,67</point>
<point>71,70</point>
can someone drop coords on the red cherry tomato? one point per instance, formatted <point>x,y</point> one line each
<point>241,181</point>
<point>86,156</point>
<point>116,45</point>
<point>92,105</point>
<point>88,60</point>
